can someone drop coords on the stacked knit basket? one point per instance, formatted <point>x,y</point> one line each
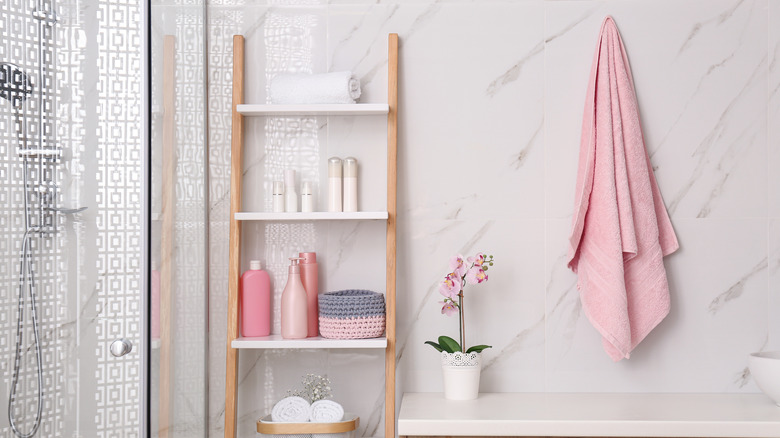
<point>352,314</point>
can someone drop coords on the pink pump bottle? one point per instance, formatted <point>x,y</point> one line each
<point>311,284</point>
<point>255,301</point>
<point>294,304</point>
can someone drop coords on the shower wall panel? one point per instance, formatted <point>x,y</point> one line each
<point>88,265</point>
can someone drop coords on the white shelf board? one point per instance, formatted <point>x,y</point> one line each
<point>276,341</point>
<point>336,109</point>
<point>591,415</point>
<point>314,216</point>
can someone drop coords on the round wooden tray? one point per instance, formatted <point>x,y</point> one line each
<point>268,427</point>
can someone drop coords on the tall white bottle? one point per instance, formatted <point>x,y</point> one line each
<point>307,197</point>
<point>290,194</point>
<point>334,184</point>
<point>350,185</point>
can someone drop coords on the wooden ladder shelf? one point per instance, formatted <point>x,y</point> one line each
<point>236,171</point>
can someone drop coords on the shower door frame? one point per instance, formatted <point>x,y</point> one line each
<point>144,354</point>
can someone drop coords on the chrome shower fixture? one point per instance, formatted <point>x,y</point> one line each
<point>15,85</point>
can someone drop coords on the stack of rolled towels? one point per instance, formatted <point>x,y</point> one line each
<point>336,87</point>
<point>298,410</point>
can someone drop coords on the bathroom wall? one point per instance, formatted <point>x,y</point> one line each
<point>490,112</point>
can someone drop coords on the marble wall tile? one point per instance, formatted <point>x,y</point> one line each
<point>507,312</point>
<point>717,282</point>
<point>773,110</point>
<point>773,265</point>
<point>699,70</point>
<point>488,144</point>
<point>476,118</point>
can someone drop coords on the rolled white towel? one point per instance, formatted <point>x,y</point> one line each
<point>291,410</point>
<point>336,87</point>
<point>326,411</point>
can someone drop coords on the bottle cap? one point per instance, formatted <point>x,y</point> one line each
<point>334,167</point>
<point>289,178</point>
<point>350,167</point>
<point>294,268</point>
<point>278,187</point>
<point>308,257</point>
<point>306,188</point>
<point>255,265</point>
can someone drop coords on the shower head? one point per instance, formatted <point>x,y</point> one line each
<point>15,85</point>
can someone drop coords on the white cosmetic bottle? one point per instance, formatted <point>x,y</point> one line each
<point>350,185</point>
<point>278,197</point>
<point>307,198</point>
<point>290,194</point>
<point>334,184</point>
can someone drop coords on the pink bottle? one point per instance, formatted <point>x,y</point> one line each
<point>255,301</point>
<point>311,284</point>
<point>155,304</point>
<point>294,305</point>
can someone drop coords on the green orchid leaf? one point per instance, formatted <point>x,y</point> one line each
<point>434,345</point>
<point>477,348</point>
<point>448,344</point>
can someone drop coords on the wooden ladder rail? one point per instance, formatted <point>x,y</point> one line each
<point>234,249</point>
<point>392,181</point>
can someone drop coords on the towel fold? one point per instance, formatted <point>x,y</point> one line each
<point>291,410</point>
<point>336,87</point>
<point>620,230</point>
<point>326,411</point>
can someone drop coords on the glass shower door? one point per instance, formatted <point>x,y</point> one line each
<point>72,218</point>
<point>103,210</point>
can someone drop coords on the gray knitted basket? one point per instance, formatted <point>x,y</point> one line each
<point>351,304</point>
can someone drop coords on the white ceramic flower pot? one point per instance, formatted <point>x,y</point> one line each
<point>461,375</point>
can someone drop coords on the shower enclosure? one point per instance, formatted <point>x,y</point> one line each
<point>102,218</point>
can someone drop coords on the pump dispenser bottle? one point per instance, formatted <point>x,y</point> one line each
<point>311,284</point>
<point>294,305</point>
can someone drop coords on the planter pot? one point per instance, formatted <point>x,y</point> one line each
<point>461,375</point>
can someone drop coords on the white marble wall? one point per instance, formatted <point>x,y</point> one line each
<point>491,98</point>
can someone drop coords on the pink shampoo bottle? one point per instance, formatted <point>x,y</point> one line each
<point>311,284</point>
<point>294,305</point>
<point>255,301</point>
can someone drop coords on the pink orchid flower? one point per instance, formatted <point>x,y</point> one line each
<point>458,265</point>
<point>476,275</point>
<point>477,260</point>
<point>449,308</point>
<point>451,285</point>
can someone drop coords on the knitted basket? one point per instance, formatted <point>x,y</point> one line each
<point>352,314</point>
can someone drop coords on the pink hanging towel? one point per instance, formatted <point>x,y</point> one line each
<point>620,230</point>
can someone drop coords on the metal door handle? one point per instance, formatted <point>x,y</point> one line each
<point>121,347</point>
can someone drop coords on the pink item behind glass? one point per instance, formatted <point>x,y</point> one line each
<point>311,284</point>
<point>155,304</point>
<point>255,301</point>
<point>621,230</point>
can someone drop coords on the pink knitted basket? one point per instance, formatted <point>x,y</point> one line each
<point>352,328</point>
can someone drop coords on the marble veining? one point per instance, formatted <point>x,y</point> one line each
<point>737,289</point>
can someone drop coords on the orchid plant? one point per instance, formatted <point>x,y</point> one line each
<point>472,270</point>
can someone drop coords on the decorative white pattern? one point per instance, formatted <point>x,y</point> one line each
<point>458,359</point>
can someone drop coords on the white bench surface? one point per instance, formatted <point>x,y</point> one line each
<point>591,414</point>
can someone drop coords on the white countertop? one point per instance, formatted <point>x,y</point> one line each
<point>595,414</point>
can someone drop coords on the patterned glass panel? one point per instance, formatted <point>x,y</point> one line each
<point>80,133</point>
